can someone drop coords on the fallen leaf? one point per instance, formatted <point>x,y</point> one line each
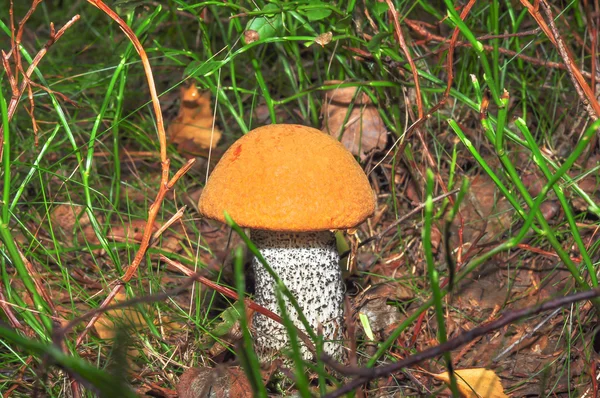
<point>379,314</point>
<point>484,211</point>
<point>192,130</point>
<point>71,220</point>
<point>475,383</point>
<point>217,383</point>
<point>131,232</point>
<point>106,325</point>
<point>225,333</point>
<point>362,130</point>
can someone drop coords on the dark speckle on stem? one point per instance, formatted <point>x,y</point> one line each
<point>308,265</point>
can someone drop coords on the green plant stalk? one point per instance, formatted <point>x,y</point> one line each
<point>534,206</point>
<point>558,190</point>
<point>284,290</point>
<point>509,196</point>
<point>501,121</point>
<point>115,191</point>
<point>235,88</point>
<point>89,161</point>
<point>264,89</point>
<point>301,379</point>
<point>449,219</point>
<point>33,169</point>
<point>494,18</point>
<point>509,244</point>
<point>65,124</point>
<point>100,379</point>
<point>295,77</point>
<point>6,160</point>
<point>548,233</point>
<point>464,187</point>
<point>253,369</point>
<point>477,46</point>
<point>501,116</point>
<point>592,206</point>
<point>434,278</point>
<point>509,167</point>
<point>6,236</point>
<point>121,71</point>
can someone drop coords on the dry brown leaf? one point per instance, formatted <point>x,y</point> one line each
<point>219,383</point>
<point>70,219</point>
<point>364,129</point>
<point>106,325</point>
<point>380,314</point>
<point>484,209</point>
<point>475,383</point>
<point>192,130</point>
<point>65,216</point>
<point>131,232</point>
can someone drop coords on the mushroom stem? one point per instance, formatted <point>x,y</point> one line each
<point>308,265</point>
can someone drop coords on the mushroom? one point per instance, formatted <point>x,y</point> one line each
<point>292,186</point>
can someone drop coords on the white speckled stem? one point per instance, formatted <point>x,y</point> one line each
<point>308,264</point>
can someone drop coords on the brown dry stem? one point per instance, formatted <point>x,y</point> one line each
<point>165,183</point>
<point>13,76</point>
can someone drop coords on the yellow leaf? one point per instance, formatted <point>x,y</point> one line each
<point>475,383</point>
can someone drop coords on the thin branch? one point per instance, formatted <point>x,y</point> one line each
<point>367,374</point>
<point>428,36</point>
<point>14,101</point>
<point>165,184</point>
<point>397,222</point>
<point>583,89</point>
<point>402,43</point>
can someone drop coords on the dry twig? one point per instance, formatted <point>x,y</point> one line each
<point>13,76</point>
<point>364,375</point>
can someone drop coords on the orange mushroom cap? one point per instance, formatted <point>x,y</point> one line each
<point>287,177</point>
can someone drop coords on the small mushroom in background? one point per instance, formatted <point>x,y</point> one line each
<point>362,130</point>
<point>192,130</point>
<point>292,185</point>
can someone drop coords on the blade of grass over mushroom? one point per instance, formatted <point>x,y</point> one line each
<point>434,280</point>
<point>296,354</point>
<point>284,290</point>
<point>252,366</point>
